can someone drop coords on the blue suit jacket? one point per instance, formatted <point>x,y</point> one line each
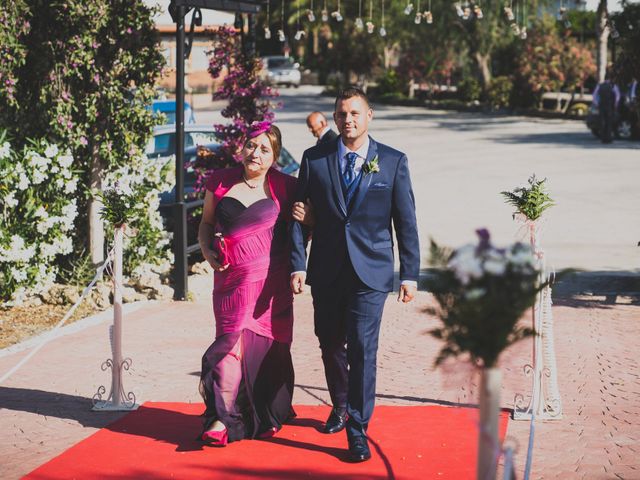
<point>361,233</point>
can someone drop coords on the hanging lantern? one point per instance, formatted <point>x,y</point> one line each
<point>477,11</point>
<point>408,9</point>
<point>508,11</point>
<point>515,29</point>
<point>281,36</point>
<point>459,10</point>
<point>324,15</point>
<point>337,15</point>
<point>359,24</point>
<point>466,13</point>
<point>418,18</point>
<point>523,33</point>
<point>428,17</point>
<point>267,30</point>
<point>310,16</point>
<point>299,35</point>
<point>383,32</point>
<point>370,27</point>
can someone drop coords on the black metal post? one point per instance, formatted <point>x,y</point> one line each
<point>179,212</point>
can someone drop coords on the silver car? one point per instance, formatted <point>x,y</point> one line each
<point>281,70</point>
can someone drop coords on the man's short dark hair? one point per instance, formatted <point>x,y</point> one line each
<point>350,92</point>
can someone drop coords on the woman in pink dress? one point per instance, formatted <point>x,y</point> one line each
<point>247,373</point>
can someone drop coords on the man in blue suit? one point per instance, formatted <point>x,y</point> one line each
<point>358,189</point>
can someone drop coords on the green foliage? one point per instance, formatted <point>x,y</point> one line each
<point>499,92</point>
<point>482,293</point>
<point>389,83</point>
<point>84,78</point>
<point>550,63</point>
<point>530,201</point>
<point>469,89</point>
<point>77,270</point>
<point>37,211</point>
<point>14,26</point>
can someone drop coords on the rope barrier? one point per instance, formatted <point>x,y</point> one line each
<point>52,336</point>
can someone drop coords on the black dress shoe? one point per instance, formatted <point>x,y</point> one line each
<point>336,422</point>
<point>359,449</point>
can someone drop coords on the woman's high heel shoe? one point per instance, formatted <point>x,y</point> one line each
<point>268,433</point>
<point>217,438</point>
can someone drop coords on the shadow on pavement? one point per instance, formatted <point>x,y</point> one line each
<point>57,405</point>
<point>387,396</point>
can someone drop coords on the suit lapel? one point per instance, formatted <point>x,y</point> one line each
<point>366,178</point>
<point>334,172</point>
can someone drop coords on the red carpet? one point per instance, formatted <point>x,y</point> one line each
<point>158,442</point>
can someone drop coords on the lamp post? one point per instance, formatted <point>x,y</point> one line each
<point>178,10</point>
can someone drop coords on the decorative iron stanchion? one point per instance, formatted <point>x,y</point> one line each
<point>117,400</point>
<point>545,402</point>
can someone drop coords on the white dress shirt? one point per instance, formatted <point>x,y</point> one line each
<point>361,152</point>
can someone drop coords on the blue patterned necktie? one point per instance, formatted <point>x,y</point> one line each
<point>350,170</point>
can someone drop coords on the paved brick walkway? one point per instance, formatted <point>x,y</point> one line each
<point>45,408</point>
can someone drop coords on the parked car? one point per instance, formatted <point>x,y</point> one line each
<point>163,142</point>
<point>168,108</point>
<point>626,124</point>
<point>281,70</point>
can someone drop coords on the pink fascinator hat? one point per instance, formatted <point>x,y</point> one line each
<point>258,128</point>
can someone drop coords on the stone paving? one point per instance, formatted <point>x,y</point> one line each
<point>45,407</point>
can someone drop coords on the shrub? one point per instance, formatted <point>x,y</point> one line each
<point>38,209</point>
<point>499,92</point>
<point>470,89</point>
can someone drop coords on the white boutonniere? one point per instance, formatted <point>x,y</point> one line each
<point>372,166</point>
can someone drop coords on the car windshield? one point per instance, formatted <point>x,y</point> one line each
<point>280,62</point>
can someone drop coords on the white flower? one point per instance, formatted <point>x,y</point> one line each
<point>48,250</point>
<point>5,150</point>
<point>495,266</point>
<point>37,161</point>
<point>10,200</point>
<point>41,213</point>
<point>475,293</point>
<point>42,227</point>
<point>23,184</point>
<point>18,275</point>
<point>51,151</point>
<point>66,245</point>
<point>60,183</point>
<point>71,186</point>
<point>465,264</point>
<point>65,161</point>
<point>141,250</point>
<point>38,177</point>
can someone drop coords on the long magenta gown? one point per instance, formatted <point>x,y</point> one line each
<point>247,373</point>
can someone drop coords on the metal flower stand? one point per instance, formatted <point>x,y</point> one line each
<point>117,400</point>
<point>545,402</point>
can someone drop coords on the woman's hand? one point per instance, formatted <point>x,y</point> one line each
<point>303,213</point>
<point>212,258</point>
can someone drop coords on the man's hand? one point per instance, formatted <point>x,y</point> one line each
<point>406,294</point>
<point>212,258</point>
<point>297,282</point>
<point>303,213</point>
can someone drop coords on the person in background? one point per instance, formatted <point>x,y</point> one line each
<point>606,97</point>
<point>319,128</point>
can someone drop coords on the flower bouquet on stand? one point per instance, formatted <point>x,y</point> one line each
<point>482,293</point>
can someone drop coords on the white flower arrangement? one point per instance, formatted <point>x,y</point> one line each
<point>482,293</point>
